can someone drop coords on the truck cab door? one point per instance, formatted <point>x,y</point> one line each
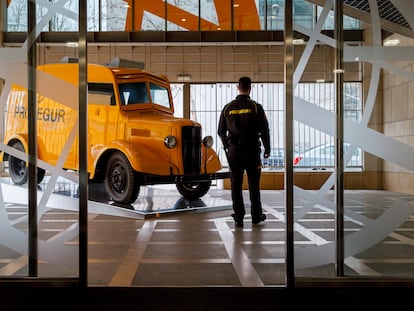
<point>102,118</point>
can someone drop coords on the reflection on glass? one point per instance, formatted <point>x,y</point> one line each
<point>159,95</point>
<point>171,15</point>
<point>246,16</point>
<point>177,90</point>
<point>209,16</point>
<point>378,204</point>
<point>182,15</point>
<point>56,246</point>
<point>133,93</point>
<point>349,22</point>
<point>113,15</point>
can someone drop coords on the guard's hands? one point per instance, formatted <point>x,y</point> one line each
<point>225,144</point>
<point>266,155</point>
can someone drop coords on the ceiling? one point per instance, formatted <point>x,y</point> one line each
<point>391,18</point>
<point>392,21</point>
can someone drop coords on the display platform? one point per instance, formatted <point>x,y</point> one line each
<point>159,199</point>
<point>152,201</point>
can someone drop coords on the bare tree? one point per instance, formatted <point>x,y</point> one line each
<point>17,16</point>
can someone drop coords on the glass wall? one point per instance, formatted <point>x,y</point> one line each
<point>374,211</point>
<point>378,139</point>
<point>39,141</point>
<point>170,15</point>
<point>314,149</point>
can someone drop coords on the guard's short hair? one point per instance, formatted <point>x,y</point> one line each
<point>245,83</point>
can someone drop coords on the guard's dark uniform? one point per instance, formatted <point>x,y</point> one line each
<point>242,125</point>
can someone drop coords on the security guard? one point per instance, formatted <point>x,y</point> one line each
<point>242,125</point>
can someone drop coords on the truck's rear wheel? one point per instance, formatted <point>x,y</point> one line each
<point>193,190</point>
<point>18,170</point>
<point>120,179</point>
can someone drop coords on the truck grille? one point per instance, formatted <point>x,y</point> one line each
<point>191,137</point>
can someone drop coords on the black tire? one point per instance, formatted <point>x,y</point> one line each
<point>120,179</point>
<point>193,190</point>
<point>40,174</point>
<point>18,170</point>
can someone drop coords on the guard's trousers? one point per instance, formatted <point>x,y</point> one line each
<point>245,158</point>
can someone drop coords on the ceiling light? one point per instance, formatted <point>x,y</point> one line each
<point>391,42</point>
<point>72,44</point>
<point>183,78</point>
<point>298,41</point>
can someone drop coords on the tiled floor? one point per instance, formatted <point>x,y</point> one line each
<point>162,240</point>
<point>189,247</point>
<point>164,253</point>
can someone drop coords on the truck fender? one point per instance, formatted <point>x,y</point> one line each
<point>138,157</point>
<point>23,138</point>
<point>212,160</point>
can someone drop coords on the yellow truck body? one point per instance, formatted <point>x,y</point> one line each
<point>133,137</point>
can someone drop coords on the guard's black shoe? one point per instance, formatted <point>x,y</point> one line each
<point>238,222</point>
<point>255,221</point>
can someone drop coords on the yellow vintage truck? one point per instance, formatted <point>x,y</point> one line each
<point>133,137</point>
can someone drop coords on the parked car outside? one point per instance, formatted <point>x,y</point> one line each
<point>324,156</point>
<point>277,158</point>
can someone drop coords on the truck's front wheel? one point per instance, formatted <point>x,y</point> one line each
<point>193,190</point>
<point>120,179</point>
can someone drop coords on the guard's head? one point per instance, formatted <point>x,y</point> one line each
<point>245,84</point>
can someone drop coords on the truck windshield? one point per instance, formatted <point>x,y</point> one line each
<point>133,93</point>
<point>159,95</point>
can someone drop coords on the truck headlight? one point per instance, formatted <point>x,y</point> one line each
<point>208,141</point>
<point>170,141</point>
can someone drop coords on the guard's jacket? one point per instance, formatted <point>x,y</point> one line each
<point>243,122</point>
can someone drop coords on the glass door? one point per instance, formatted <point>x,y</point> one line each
<point>373,238</point>
<point>39,197</point>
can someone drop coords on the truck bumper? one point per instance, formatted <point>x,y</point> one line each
<point>172,179</point>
